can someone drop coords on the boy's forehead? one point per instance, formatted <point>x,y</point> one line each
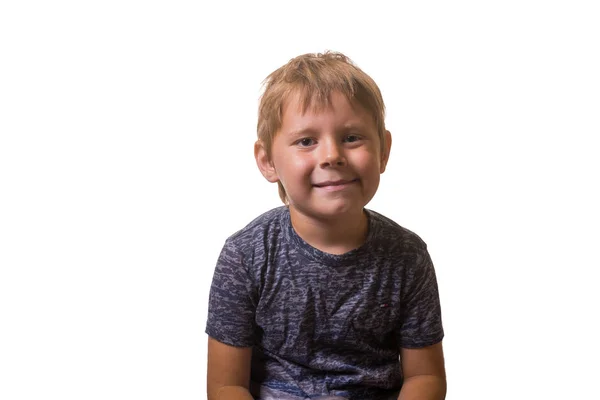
<point>300,113</point>
<point>300,102</point>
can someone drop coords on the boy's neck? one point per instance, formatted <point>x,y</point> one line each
<point>334,236</point>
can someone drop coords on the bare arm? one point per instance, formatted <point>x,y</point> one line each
<point>228,375</point>
<point>424,373</point>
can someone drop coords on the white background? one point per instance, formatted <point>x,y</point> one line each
<point>126,160</point>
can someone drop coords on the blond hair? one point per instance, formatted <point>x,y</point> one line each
<point>315,77</point>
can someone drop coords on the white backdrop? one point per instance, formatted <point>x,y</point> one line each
<point>126,160</point>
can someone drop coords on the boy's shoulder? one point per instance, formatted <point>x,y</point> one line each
<point>389,231</point>
<point>268,224</point>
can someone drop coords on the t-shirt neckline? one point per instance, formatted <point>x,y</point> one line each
<point>314,254</point>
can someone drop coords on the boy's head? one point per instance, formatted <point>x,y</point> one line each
<point>311,81</point>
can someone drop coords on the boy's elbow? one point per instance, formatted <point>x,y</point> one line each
<point>228,393</point>
<point>424,387</point>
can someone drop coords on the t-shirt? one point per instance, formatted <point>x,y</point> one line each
<point>324,324</point>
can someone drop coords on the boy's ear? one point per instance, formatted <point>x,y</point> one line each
<point>265,165</point>
<point>385,154</point>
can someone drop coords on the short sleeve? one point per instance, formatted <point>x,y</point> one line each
<point>231,305</point>
<point>421,324</point>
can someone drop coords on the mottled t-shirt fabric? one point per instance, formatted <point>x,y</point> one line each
<point>323,324</point>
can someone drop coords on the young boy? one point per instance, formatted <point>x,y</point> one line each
<point>322,298</point>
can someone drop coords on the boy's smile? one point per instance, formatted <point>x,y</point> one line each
<point>328,160</point>
<point>336,185</point>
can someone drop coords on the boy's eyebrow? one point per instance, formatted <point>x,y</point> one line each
<point>308,130</point>
<point>302,131</point>
<point>355,125</point>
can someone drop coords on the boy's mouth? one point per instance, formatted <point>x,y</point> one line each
<point>336,183</point>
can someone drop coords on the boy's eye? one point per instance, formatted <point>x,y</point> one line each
<point>306,142</point>
<point>352,138</point>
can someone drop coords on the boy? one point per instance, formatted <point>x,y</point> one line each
<point>322,297</point>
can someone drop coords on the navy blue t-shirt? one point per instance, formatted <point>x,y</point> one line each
<point>324,324</point>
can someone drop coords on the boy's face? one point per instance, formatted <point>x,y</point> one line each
<point>328,161</point>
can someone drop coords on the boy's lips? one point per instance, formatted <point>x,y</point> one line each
<point>334,184</point>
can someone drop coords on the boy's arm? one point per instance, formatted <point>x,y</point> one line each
<point>424,373</point>
<point>228,376</point>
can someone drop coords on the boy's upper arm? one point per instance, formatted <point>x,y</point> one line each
<point>231,327</point>
<point>421,322</point>
<point>424,373</point>
<point>227,366</point>
<point>427,360</point>
<point>232,300</point>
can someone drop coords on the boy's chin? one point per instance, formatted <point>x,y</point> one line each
<point>330,211</point>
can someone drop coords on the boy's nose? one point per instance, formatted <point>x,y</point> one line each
<point>332,155</point>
